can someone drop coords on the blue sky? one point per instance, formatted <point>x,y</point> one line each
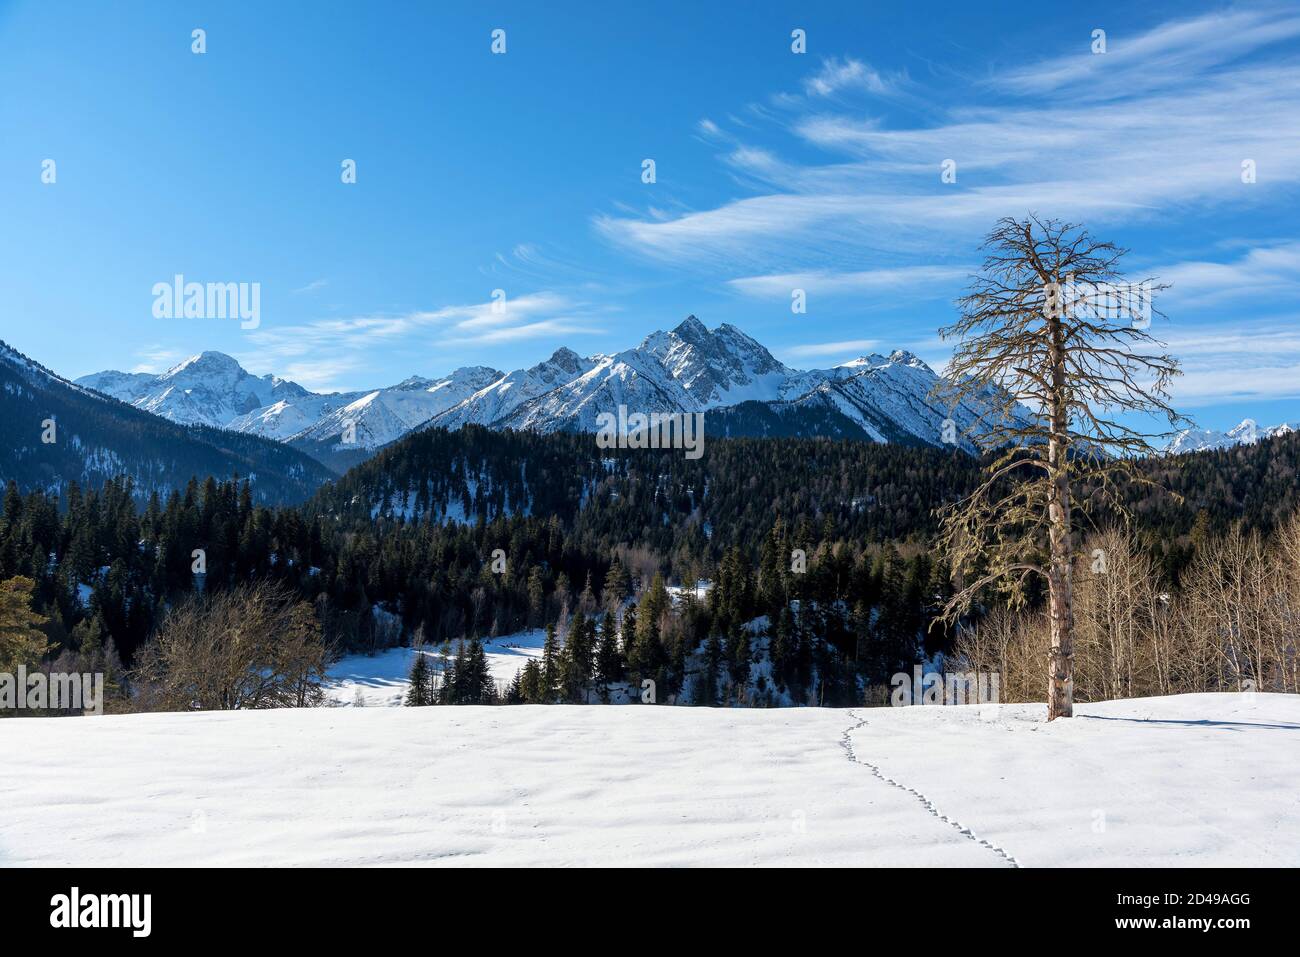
<point>523,172</point>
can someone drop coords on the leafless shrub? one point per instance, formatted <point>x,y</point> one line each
<point>251,647</point>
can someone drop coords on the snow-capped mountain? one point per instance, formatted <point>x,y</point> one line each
<point>213,389</point>
<point>54,432</point>
<point>500,401</point>
<point>1248,432</point>
<point>376,417</point>
<point>694,369</point>
<point>208,389</point>
<point>882,398</point>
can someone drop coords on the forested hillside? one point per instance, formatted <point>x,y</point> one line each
<point>55,433</point>
<point>479,533</point>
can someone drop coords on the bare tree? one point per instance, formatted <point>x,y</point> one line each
<point>1049,361</point>
<point>251,647</point>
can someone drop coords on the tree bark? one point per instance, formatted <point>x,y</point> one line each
<point>1060,663</point>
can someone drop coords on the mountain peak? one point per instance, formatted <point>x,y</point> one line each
<point>907,358</point>
<point>564,359</point>
<point>691,328</point>
<point>208,361</point>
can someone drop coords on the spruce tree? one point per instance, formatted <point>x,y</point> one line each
<point>21,640</point>
<point>609,662</point>
<point>578,655</point>
<point>531,685</point>
<point>417,696</point>
<point>551,672</point>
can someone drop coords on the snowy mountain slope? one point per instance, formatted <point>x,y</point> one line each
<point>888,397</point>
<point>693,369</point>
<point>686,369</point>
<point>496,404</point>
<point>207,389</point>
<point>1248,432</point>
<point>689,369</point>
<point>381,416</point>
<point>97,438</point>
<point>1183,781</point>
<point>213,389</point>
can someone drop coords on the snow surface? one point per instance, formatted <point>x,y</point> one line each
<point>382,681</point>
<point>1187,780</point>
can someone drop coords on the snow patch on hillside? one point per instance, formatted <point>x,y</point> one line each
<point>381,680</point>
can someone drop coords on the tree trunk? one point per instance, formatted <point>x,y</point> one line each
<point>1060,667</point>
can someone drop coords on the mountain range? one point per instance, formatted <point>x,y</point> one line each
<point>209,416</point>
<point>55,432</point>
<point>1248,432</point>
<point>882,398</point>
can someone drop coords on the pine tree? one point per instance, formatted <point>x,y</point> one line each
<point>515,692</point>
<point>577,658</point>
<point>477,683</point>
<point>738,659</point>
<point>531,685</point>
<point>417,696</point>
<point>609,662</point>
<point>649,654</point>
<point>618,583</point>
<point>21,640</point>
<point>456,678</point>
<point>706,684</point>
<point>551,666</point>
<point>628,632</point>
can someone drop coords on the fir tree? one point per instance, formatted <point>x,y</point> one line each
<point>609,661</point>
<point>551,666</point>
<point>418,695</point>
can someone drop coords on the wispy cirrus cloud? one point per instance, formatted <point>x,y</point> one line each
<point>1264,271</point>
<point>1182,119</point>
<point>318,353</point>
<point>838,75</point>
<point>1228,362</point>
<point>906,281</point>
<point>845,348</point>
<point>155,359</point>
<point>1168,54</point>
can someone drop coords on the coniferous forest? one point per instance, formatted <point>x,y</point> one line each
<point>818,553</point>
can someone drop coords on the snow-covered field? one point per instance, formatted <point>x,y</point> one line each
<point>382,680</point>
<point>1196,779</point>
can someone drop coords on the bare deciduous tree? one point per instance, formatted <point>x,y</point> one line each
<point>250,647</point>
<point>1051,366</point>
<point>1233,623</point>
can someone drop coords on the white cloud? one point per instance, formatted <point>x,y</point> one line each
<point>1165,55</point>
<point>1198,388</point>
<point>336,346</point>
<point>1263,271</point>
<point>1178,140</point>
<point>846,348</point>
<point>157,359</point>
<point>910,281</point>
<point>837,75</point>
